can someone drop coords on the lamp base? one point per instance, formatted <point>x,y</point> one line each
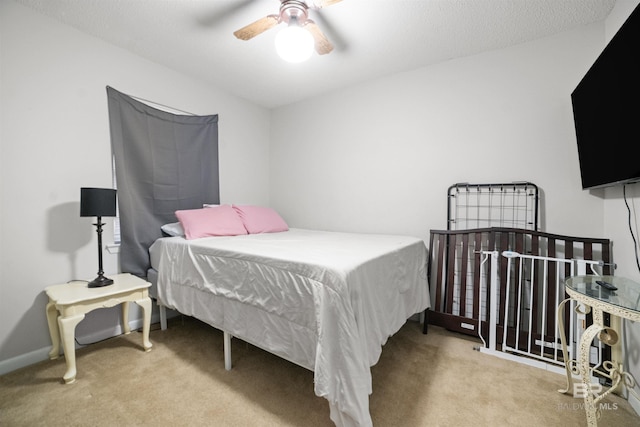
<point>100,281</point>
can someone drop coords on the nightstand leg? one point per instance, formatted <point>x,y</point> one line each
<point>54,331</point>
<point>68,331</point>
<point>125,318</point>
<point>146,322</point>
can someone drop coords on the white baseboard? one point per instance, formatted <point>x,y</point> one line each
<point>42,354</point>
<point>23,360</point>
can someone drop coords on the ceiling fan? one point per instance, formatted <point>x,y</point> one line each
<point>294,13</point>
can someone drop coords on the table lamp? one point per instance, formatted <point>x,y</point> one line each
<point>98,202</point>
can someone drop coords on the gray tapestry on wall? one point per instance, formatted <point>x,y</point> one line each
<point>164,162</point>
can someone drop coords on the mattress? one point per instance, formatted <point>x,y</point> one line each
<point>327,301</point>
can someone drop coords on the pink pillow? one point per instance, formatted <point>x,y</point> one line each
<point>215,221</point>
<point>258,219</point>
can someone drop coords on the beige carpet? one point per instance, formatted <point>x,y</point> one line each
<point>421,380</point>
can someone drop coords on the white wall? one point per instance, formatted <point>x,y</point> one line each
<point>380,156</point>
<point>54,139</point>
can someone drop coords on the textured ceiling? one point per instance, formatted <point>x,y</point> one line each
<point>372,38</point>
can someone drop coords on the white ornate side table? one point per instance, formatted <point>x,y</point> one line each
<point>69,302</point>
<point>623,303</point>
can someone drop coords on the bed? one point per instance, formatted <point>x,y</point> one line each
<point>326,301</point>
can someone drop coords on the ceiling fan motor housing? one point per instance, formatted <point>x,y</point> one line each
<point>294,10</point>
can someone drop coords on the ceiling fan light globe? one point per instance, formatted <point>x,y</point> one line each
<point>294,44</point>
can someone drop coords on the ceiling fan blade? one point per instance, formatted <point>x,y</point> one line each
<point>322,44</point>
<point>330,31</point>
<point>258,27</point>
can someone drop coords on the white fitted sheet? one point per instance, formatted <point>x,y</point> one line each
<point>327,301</point>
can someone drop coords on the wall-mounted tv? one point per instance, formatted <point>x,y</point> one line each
<point>606,111</point>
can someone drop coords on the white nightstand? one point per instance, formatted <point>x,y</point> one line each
<point>69,302</point>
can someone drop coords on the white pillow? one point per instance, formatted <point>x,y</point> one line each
<point>173,229</point>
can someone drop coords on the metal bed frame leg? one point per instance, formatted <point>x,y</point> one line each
<point>227,350</point>
<point>163,316</point>
<point>227,336</point>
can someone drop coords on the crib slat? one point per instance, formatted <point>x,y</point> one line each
<point>464,260</point>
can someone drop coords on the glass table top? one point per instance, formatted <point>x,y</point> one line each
<point>626,296</point>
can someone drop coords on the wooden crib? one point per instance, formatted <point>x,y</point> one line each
<point>458,282</point>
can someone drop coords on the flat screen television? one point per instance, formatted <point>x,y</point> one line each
<point>606,111</point>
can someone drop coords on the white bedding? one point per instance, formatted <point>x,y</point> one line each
<point>327,301</point>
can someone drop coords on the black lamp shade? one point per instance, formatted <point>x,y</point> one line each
<point>97,202</point>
